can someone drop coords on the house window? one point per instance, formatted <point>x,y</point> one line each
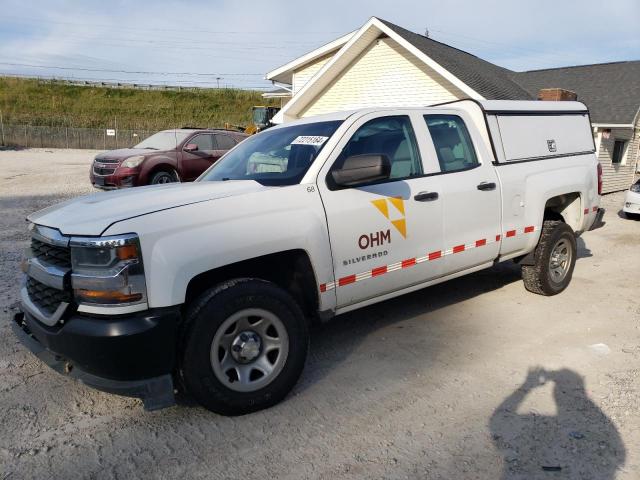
<point>619,147</point>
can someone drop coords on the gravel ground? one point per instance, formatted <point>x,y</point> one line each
<point>475,378</point>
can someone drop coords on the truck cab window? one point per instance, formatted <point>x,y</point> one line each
<point>390,136</point>
<point>452,142</point>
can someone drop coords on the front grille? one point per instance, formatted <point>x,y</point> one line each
<point>46,298</point>
<point>103,171</point>
<point>108,160</point>
<point>52,254</point>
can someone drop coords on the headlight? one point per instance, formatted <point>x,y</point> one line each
<point>133,162</point>
<point>108,271</point>
<point>635,187</point>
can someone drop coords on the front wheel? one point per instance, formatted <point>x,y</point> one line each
<point>555,259</point>
<point>162,176</point>
<point>244,346</point>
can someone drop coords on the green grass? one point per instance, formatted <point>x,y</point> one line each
<point>56,103</point>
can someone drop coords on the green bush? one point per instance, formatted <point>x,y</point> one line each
<point>57,103</point>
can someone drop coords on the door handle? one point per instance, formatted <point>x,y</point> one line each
<point>426,197</point>
<point>487,186</point>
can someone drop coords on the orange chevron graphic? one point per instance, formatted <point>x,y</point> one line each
<point>398,203</point>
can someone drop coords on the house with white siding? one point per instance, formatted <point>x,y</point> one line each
<point>382,64</point>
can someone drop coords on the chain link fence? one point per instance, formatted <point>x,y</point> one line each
<point>38,136</point>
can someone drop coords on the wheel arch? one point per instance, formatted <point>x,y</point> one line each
<point>291,270</point>
<point>156,164</point>
<point>565,207</point>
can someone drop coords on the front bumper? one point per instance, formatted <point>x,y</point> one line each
<point>132,355</point>
<point>121,178</point>
<point>631,202</point>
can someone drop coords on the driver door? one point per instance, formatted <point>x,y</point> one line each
<point>194,162</point>
<point>389,235</point>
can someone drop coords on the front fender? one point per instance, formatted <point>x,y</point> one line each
<point>153,163</point>
<point>181,243</point>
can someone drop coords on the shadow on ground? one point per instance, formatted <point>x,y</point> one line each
<point>628,216</point>
<point>580,442</point>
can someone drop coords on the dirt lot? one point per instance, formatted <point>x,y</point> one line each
<point>435,384</point>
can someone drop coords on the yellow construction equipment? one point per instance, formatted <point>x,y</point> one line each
<point>260,120</point>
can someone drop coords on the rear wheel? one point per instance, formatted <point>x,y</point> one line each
<point>555,259</point>
<point>244,346</point>
<point>163,177</point>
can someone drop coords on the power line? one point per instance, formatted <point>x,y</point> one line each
<point>132,82</point>
<point>174,41</point>
<point>133,72</point>
<point>221,32</point>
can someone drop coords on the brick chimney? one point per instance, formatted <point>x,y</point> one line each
<point>556,94</point>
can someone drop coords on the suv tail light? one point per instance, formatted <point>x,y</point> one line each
<point>599,179</point>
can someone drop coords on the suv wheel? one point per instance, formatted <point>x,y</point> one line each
<point>555,258</point>
<point>244,346</point>
<point>163,177</point>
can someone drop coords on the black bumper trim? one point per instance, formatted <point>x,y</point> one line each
<point>155,392</point>
<point>598,223</point>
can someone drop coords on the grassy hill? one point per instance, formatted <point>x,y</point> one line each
<point>56,103</point>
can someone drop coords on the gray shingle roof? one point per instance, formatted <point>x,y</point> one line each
<point>489,80</point>
<point>610,90</point>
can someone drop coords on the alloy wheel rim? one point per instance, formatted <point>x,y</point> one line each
<point>249,350</point>
<point>560,260</point>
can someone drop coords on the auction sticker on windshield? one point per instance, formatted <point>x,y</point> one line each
<point>314,140</point>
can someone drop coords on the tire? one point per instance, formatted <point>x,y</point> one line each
<point>543,277</point>
<point>234,382</point>
<point>163,176</point>
<point>631,216</point>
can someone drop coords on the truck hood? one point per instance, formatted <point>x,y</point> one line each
<point>93,214</point>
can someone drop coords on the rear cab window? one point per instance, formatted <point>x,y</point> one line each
<point>452,143</point>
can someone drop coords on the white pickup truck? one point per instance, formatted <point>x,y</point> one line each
<point>209,288</point>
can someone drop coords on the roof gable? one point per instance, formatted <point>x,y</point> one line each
<point>368,33</point>
<point>489,80</point>
<point>284,74</point>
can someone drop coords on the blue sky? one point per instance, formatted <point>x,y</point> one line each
<point>205,43</point>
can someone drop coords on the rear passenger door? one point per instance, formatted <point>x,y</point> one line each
<point>384,236</point>
<point>468,186</point>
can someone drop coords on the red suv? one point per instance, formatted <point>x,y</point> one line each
<point>167,156</point>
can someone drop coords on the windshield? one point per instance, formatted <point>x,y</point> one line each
<point>260,116</point>
<point>274,157</point>
<point>167,140</point>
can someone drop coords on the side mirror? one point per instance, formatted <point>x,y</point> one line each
<point>361,169</point>
<point>191,147</point>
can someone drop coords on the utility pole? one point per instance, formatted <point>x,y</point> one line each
<point>218,80</point>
